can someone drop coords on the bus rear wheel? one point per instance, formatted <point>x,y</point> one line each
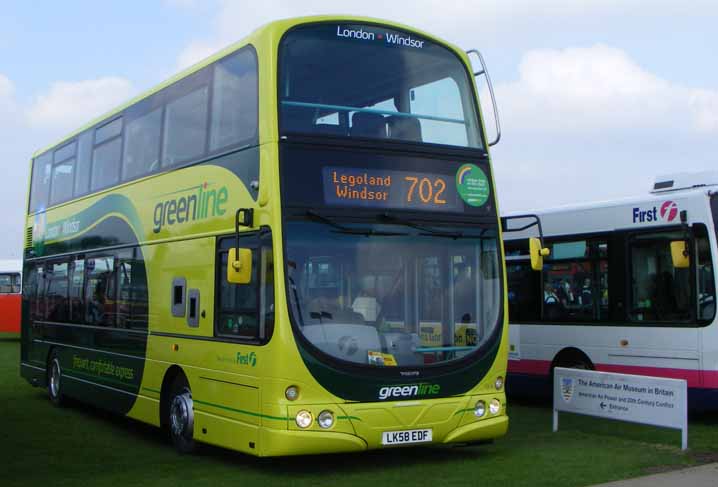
<point>54,381</point>
<point>181,418</point>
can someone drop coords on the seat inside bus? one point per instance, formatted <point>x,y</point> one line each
<point>365,124</point>
<point>404,128</point>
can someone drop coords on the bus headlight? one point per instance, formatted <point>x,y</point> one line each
<point>292,393</point>
<point>480,409</point>
<point>494,406</point>
<point>499,383</point>
<point>304,419</point>
<point>325,419</point>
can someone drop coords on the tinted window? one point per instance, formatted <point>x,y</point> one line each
<point>56,297</point>
<point>704,271</point>
<point>659,291</point>
<point>9,283</point>
<point>234,100</point>
<point>238,304</point>
<point>523,287</point>
<point>62,180</point>
<point>41,173</point>
<point>142,145</point>
<point>135,274</point>
<point>247,311</point>
<point>575,281</point>
<point>98,291</point>
<point>76,281</point>
<point>185,127</point>
<point>65,152</point>
<point>373,82</point>
<point>442,99</point>
<point>84,158</point>
<point>34,291</point>
<point>106,164</point>
<point>109,130</point>
<point>409,299</point>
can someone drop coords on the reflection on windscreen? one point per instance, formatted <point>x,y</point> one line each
<point>369,87</point>
<point>403,300</point>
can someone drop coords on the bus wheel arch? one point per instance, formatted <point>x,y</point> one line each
<point>572,358</point>
<point>177,409</point>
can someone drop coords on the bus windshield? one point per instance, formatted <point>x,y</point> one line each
<point>392,295</point>
<point>367,81</point>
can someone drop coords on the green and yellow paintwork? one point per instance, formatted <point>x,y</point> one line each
<point>241,404</point>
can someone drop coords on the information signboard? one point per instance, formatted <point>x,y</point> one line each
<point>635,398</point>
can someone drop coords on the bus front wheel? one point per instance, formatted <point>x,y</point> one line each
<point>181,418</point>
<point>54,380</point>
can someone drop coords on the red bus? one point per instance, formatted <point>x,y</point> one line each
<point>10,295</point>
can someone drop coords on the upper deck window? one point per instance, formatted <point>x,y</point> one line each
<point>373,82</point>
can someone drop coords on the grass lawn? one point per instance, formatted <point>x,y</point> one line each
<point>81,446</point>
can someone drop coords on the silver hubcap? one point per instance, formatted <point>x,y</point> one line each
<point>55,378</point>
<point>181,415</point>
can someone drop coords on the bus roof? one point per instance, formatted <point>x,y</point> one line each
<point>276,27</point>
<point>679,196</point>
<point>678,184</point>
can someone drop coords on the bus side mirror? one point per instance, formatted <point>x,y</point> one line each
<point>537,253</point>
<point>679,254</point>
<point>239,266</point>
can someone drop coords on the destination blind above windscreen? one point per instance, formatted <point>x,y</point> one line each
<point>314,177</point>
<point>379,188</point>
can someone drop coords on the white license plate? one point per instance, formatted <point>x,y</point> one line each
<point>405,437</point>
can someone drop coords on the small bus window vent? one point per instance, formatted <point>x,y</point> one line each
<point>663,185</point>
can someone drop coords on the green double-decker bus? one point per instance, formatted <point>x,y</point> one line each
<point>292,247</point>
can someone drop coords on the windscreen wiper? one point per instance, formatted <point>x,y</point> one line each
<point>425,230</point>
<point>369,232</point>
<point>296,301</point>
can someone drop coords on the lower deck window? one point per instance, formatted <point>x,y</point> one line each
<point>246,311</point>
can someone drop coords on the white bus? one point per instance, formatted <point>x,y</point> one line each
<point>628,286</point>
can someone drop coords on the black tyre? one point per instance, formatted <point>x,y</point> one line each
<point>180,418</point>
<point>54,380</point>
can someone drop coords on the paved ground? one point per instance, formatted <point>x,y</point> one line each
<point>703,476</point>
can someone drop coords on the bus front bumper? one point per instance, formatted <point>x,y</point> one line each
<point>285,443</point>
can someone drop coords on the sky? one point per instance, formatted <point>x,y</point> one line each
<point>596,97</point>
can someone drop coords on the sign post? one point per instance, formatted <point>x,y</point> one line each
<point>634,398</point>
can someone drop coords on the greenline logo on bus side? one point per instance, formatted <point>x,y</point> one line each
<point>410,390</point>
<point>197,203</point>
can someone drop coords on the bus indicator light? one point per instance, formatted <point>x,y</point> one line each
<point>480,409</point>
<point>291,393</point>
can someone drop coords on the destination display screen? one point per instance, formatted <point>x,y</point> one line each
<point>380,188</point>
<point>321,177</point>
<point>389,189</point>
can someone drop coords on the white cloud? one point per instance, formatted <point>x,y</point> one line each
<point>7,98</point>
<point>69,104</point>
<point>704,106</point>
<point>598,89</point>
